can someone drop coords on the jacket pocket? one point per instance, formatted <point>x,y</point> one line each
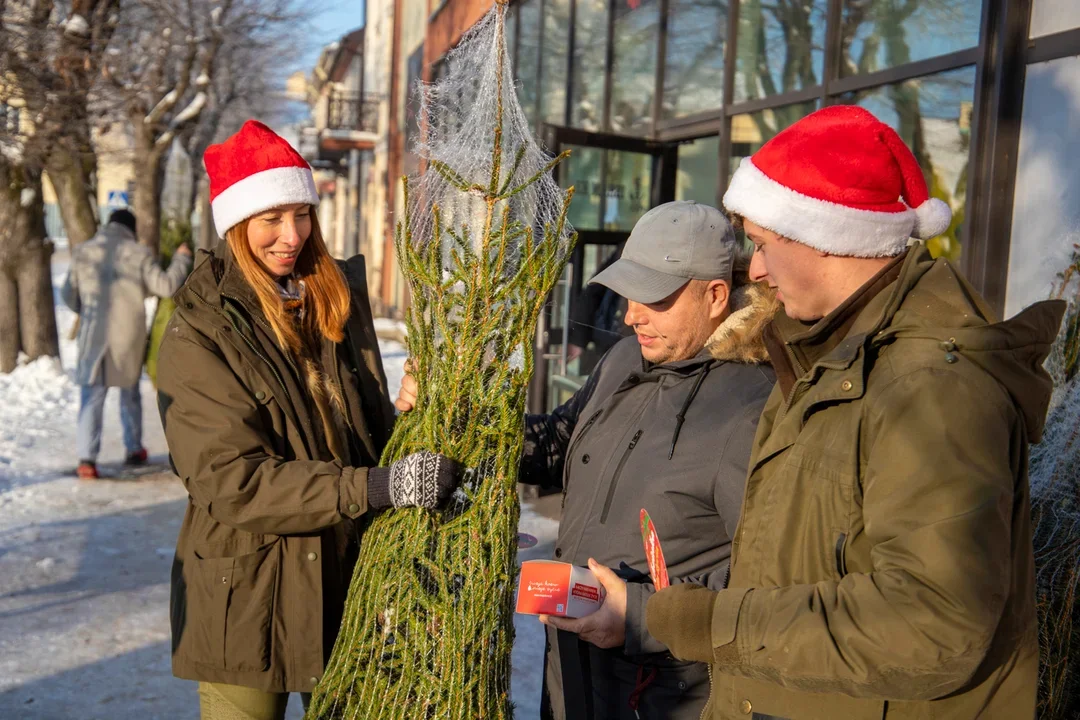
<point>242,594</point>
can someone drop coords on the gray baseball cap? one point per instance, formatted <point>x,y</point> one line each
<point>669,246</point>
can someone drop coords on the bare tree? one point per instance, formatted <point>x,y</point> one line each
<point>162,68</point>
<point>247,84</point>
<point>48,56</point>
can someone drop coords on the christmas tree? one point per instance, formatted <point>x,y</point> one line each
<point>428,625</point>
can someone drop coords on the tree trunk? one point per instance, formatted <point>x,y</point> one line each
<point>10,337</point>
<point>148,188</point>
<point>71,180</point>
<point>207,232</point>
<point>37,311</point>
<point>27,313</point>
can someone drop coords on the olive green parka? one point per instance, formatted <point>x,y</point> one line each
<point>268,541</point>
<point>883,565</point>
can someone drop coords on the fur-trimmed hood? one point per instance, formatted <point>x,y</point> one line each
<point>741,338</point>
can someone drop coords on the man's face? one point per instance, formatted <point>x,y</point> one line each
<point>677,327</point>
<point>795,270</point>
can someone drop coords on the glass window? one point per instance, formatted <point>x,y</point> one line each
<point>582,171</point>
<point>626,192</point>
<point>698,177</point>
<point>590,55</point>
<point>781,47</point>
<point>932,114</point>
<point>694,68</point>
<point>528,56</point>
<point>553,73</point>
<point>1054,16</point>
<point>880,34</point>
<point>634,70</point>
<point>752,130</point>
<point>1046,203</point>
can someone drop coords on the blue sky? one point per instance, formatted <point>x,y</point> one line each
<point>332,19</point>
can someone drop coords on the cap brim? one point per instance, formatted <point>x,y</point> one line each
<point>637,282</point>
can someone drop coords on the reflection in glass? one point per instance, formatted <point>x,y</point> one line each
<point>750,131</point>
<point>528,56</point>
<point>698,177</point>
<point>880,34</point>
<point>1046,204</point>
<point>595,323</point>
<point>587,70</point>
<point>582,171</point>
<point>1054,16</point>
<point>553,60</point>
<point>634,69</point>
<point>932,114</point>
<point>694,69</point>
<point>781,47</point>
<point>626,194</point>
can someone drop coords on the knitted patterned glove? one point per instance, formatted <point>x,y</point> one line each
<point>423,479</point>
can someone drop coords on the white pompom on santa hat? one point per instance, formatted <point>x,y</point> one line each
<point>840,181</point>
<point>253,171</point>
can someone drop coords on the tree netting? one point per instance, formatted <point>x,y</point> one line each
<point>428,624</point>
<point>1055,501</point>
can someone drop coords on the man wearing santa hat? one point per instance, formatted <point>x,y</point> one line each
<point>882,567</point>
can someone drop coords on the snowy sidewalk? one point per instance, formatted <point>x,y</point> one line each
<point>84,567</point>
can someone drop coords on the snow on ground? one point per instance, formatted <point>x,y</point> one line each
<point>84,567</point>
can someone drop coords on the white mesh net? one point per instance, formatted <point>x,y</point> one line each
<point>1055,498</point>
<point>428,624</point>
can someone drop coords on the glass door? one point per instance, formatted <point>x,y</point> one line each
<point>616,180</point>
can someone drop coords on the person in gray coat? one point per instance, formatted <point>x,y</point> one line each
<point>110,278</point>
<point>664,423</point>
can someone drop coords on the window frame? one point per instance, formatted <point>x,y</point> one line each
<point>1001,57</point>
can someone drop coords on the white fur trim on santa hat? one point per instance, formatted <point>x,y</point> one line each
<point>261,192</point>
<point>826,226</point>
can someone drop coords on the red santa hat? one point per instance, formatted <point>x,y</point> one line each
<point>840,181</point>
<point>253,171</point>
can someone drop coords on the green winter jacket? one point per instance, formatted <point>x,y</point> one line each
<point>883,565</point>
<point>271,533</point>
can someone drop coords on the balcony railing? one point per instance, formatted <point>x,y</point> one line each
<point>353,112</point>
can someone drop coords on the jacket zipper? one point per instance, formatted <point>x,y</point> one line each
<point>577,441</point>
<point>258,353</point>
<point>705,709</point>
<point>618,472</point>
<point>841,563</point>
<point>284,352</point>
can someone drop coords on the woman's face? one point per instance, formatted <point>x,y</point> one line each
<point>277,236</point>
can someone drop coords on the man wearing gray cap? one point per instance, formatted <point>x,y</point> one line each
<point>664,423</point>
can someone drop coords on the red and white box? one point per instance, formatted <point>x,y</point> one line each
<point>547,587</point>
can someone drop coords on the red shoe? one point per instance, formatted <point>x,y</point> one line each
<point>136,458</point>
<point>87,471</point>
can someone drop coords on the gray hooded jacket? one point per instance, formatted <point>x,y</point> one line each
<point>675,440</point>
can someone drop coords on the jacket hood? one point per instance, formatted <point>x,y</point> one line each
<point>741,337</point>
<point>115,231</point>
<point>930,301</point>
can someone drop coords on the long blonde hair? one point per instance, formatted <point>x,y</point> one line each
<point>325,310</point>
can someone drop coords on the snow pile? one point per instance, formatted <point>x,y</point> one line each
<point>32,400</point>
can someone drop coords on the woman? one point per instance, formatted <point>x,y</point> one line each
<point>275,407</point>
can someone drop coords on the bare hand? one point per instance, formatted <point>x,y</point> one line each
<point>605,628</point>
<point>406,399</point>
<point>184,249</point>
<point>573,352</point>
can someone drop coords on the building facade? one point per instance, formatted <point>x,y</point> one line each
<point>660,99</point>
